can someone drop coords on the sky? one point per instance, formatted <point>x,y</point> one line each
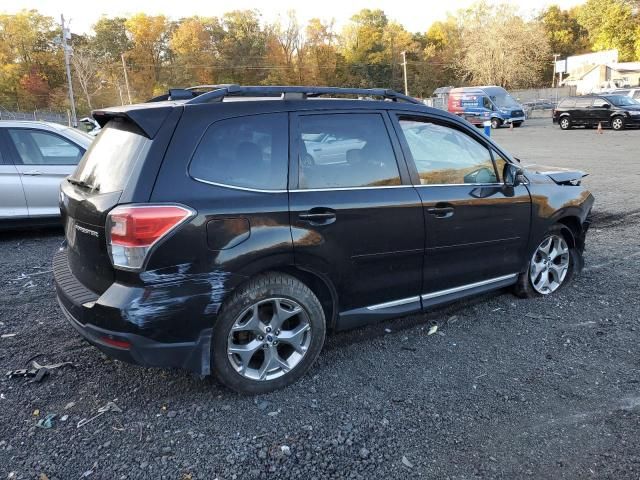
<point>415,15</point>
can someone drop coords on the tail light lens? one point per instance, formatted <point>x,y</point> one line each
<point>132,230</point>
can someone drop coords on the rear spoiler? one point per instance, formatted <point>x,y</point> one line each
<point>147,117</point>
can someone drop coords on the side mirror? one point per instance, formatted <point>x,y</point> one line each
<point>513,175</point>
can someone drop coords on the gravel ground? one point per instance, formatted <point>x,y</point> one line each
<point>506,388</point>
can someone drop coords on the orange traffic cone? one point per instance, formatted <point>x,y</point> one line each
<point>599,128</point>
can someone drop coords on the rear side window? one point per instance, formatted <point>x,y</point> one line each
<point>583,102</point>
<point>567,103</point>
<point>36,147</point>
<point>345,150</point>
<point>113,158</point>
<point>246,152</point>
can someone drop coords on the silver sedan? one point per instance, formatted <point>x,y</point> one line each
<point>34,158</point>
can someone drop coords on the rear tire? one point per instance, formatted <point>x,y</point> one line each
<point>565,123</point>
<point>267,334</point>
<point>617,123</point>
<point>545,274</point>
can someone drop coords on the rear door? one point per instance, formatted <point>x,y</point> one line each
<point>356,220</point>
<point>13,203</point>
<point>581,112</point>
<point>43,159</point>
<point>477,228</point>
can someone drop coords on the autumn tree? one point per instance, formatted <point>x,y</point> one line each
<point>194,45</point>
<point>323,64</point>
<point>149,37</point>
<point>515,53</point>
<point>31,65</point>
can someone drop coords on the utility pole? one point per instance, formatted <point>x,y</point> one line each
<point>555,63</point>
<point>404,67</point>
<point>67,53</point>
<point>126,78</point>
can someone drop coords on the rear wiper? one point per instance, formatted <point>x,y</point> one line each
<point>82,184</point>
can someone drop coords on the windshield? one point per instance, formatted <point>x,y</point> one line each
<point>622,101</point>
<point>504,100</point>
<point>111,159</point>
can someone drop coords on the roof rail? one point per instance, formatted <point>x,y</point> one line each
<point>219,92</point>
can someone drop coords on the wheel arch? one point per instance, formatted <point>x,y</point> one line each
<point>319,284</point>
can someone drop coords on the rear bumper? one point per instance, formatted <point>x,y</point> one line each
<point>106,322</point>
<point>192,356</point>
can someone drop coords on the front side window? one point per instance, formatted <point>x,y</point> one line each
<point>599,103</point>
<point>37,147</point>
<point>446,156</point>
<point>345,150</point>
<point>247,152</point>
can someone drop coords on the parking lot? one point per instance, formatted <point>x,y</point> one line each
<point>506,388</point>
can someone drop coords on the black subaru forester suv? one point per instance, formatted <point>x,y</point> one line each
<point>226,229</point>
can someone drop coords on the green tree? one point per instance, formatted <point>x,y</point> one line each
<point>243,47</point>
<point>611,24</point>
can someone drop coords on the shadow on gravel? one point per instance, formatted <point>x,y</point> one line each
<point>30,233</point>
<point>603,219</point>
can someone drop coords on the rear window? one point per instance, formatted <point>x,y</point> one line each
<point>246,152</point>
<point>112,158</point>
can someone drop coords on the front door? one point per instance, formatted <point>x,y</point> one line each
<point>43,160</point>
<point>600,111</point>
<point>477,228</point>
<point>356,219</point>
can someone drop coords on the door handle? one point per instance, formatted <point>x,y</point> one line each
<point>441,212</point>
<point>318,216</point>
<point>32,173</point>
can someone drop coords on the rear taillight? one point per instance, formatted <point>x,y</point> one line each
<point>132,230</point>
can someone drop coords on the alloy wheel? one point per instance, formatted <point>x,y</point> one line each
<point>617,123</point>
<point>269,339</point>
<point>549,264</point>
<point>564,123</point>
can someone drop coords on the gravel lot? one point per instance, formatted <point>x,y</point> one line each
<point>507,388</point>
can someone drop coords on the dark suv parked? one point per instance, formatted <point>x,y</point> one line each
<point>222,235</point>
<point>615,111</point>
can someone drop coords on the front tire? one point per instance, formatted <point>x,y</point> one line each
<point>267,335</point>
<point>495,123</point>
<point>517,124</point>
<point>551,266</point>
<point>617,123</point>
<point>565,123</point>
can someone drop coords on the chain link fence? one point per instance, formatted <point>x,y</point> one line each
<point>39,115</point>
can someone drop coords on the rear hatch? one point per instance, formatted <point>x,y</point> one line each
<point>108,168</point>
